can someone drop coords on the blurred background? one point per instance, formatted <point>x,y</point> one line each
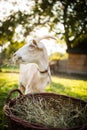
<point>20,20</point>
<point>67,21</point>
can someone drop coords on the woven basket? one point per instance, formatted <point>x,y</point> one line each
<point>16,123</point>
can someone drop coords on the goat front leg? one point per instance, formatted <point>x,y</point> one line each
<point>28,89</point>
<point>21,88</point>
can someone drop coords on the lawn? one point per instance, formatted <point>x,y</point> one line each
<point>68,85</point>
<point>8,81</point>
<point>75,86</point>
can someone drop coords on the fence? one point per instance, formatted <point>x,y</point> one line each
<point>76,64</point>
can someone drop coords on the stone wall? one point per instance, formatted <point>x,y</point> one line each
<point>58,66</point>
<point>76,64</point>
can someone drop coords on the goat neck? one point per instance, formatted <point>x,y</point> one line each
<point>42,65</point>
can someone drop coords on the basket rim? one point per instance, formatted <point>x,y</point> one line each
<point>33,125</point>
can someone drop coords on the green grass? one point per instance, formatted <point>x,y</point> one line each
<point>67,85</point>
<point>9,68</point>
<point>71,86</point>
<point>8,81</point>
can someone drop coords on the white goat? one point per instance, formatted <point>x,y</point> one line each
<point>34,66</point>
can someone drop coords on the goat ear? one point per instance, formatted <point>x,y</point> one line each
<point>40,46</point>
<point>35,43</point>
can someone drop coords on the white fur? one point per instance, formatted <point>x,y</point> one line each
<point>31,80</point>
<point>33,60</point>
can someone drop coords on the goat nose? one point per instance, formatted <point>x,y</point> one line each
<point>14,54</point>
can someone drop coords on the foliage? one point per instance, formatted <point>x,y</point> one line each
<point>75,20</point>
<point>58,56</point>
<point>81,40</point>
<point>6,55</point>
<point>71,14</point>
<point>7,28</point>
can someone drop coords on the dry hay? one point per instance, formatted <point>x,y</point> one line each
<point>57,113</point>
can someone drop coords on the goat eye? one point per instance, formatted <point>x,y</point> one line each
<point>31,47</point>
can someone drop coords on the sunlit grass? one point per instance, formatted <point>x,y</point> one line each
<point>9,68</point>
<point>71,86</point>
<point>8,81</point>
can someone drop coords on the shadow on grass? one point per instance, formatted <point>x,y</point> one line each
<point>61,89</point>
<point>3,96</point>
<point>72,76</point>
